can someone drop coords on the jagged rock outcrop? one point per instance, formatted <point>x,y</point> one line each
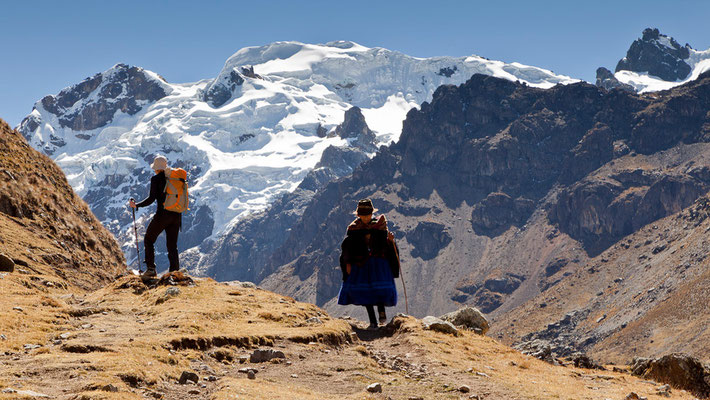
<point>498,211</point>
<point>607,80</point>
<point>428,238</point>
<point>122,88</point>
<point>657,54</point>
<point>355,127</point>
<point>223,88</point>
<point>678,370</point>
<point>599,211</point>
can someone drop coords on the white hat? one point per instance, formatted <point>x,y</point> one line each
<point>160,163</point>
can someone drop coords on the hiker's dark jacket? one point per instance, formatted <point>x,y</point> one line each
<point>157,192</point>
<point>363,241</point>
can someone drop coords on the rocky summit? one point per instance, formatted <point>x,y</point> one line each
<point>658,55</point>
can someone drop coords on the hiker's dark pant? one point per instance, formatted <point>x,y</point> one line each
<point>169,222</point>
<point>371,312</point>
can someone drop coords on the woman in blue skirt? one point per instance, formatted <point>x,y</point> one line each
<point>370,262</point>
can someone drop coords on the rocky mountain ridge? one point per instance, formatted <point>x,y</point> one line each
<point>655,62</point>
<point>246,137</point>
<point>498,192</point>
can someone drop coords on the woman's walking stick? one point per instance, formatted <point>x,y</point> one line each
<point>401,275</point>
<point>135,232</point>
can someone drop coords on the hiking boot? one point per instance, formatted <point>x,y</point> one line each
<point>150,273</point>
<point>383,318</point>
<point>373,327</point>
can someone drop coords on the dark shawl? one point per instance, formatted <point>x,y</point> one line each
<point>363,241</point>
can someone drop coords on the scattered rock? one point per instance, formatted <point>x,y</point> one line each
<point>194,391</point>
<point>188,376</point>
<point>31,346</point>
<point>664,390</point>
<point>251,374</point>
<point>65,336</point>
<point>375,388</point>
<point>464,389</point>
<point>247,370</point>
<point>314,320</point>
<point>470,318</point>
<point>19,309</point>
<point>261,355</point>
<point>294,376</point>
<point>439,325</point>
<point>109,388</point>
<point>6,263</point>
<point>634,396</point>
<point>584,361</point>
<point>172,291</point>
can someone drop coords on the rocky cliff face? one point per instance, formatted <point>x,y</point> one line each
<point>657,54</point>
<point>509,182</point>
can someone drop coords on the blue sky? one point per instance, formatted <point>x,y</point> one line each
<point>48,45</point>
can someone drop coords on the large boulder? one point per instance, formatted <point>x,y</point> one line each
<point>436,324</point>
<point>678,370</point>
<point>6,263</point>
<point>469,318</point>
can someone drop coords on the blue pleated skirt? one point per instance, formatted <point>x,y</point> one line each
<point>371,283</point>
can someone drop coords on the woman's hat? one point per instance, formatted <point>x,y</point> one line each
<point>364,207</point>
<point>160,163</point>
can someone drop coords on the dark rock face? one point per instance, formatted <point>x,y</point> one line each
<point>600,212</point>
<point>490,294</point>
<point>487,143</point>
<point>657,54</point>
<point>678,370</point>
<point>222,89</point>
<point>607,80</point>
<point>335,162</point>
<point>122,89</point>
<point>447,71</point>
<point>498,211</point>
<point>428,239</point>
<point>354,126</point>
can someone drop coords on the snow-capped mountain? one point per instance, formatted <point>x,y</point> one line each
<point>655,62</point>
<point>248,135</point>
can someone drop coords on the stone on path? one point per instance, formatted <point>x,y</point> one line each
<point>439,325</point>
<point>375,388</point>
<point>261,355</point>
<point>469,318</point>
<point>188,376</point>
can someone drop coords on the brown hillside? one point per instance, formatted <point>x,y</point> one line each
<point>645,296</point>
<point>45,225</point>
<point>126,341</point>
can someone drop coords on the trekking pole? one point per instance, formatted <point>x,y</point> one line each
<point>135,232</point>
<point>401,276</point>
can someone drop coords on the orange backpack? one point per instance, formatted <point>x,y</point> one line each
<point>176,190</point>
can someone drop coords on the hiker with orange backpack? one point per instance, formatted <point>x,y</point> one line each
<point>169,188</point>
